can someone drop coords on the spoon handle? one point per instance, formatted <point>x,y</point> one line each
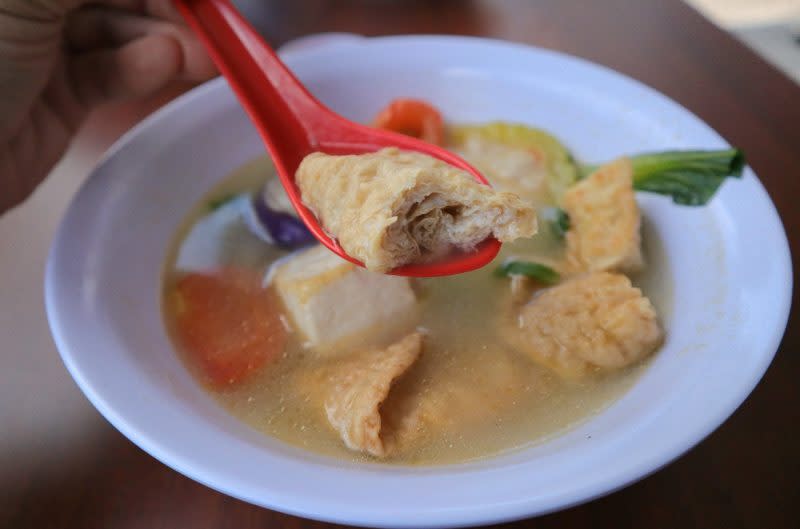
<point>284,112</point>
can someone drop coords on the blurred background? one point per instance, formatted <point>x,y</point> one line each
<point>770,27</point>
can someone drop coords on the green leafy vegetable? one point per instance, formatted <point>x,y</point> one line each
<point>539,272</point>
<point>217,202</point>
<point>690,177</point>
<point>558,220</point>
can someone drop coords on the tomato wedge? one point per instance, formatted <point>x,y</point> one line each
<point>228,324</point>
<point>412,117</point>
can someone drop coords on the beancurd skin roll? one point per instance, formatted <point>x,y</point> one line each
<point>393,207</point>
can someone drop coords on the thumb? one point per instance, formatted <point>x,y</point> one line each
<point>136,69</point>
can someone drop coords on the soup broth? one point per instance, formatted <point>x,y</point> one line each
<point>485,397</point>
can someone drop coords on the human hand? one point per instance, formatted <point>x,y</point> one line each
<point>61,58</point>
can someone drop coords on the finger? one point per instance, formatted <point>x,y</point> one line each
<point>156,8</point>
<point>137,69</point>
<point>101,27</point>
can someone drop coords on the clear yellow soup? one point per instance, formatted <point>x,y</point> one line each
<point>490,398</point>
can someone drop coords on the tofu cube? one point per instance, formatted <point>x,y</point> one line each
<point>330,299</point>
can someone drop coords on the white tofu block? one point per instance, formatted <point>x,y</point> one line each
<point>330,299</point>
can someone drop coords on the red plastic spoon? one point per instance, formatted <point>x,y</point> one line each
<point>293,123</point>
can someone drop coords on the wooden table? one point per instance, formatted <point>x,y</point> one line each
<point>743,475</point>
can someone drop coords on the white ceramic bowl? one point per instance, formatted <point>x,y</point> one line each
<point>729,261</point>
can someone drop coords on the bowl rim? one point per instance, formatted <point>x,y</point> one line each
<point>479,514</point>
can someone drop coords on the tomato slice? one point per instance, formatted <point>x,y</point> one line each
<point>412,117</point>
<point>228,324</point>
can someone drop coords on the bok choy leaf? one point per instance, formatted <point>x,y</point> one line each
<point>690,177</point>
<point>541,273</point>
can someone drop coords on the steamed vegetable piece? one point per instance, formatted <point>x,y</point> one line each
<point>284,229</point>
<point>558,220</point>
<point>268,215</point>
<point>690,177</point>
<point>227,323</point>
<point>414,118</point>
<point>537,271</point>
<point>547,150</point>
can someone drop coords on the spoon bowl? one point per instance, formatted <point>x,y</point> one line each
<point>293,123</point>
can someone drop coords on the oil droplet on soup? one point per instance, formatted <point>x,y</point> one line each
<point>463,363</point>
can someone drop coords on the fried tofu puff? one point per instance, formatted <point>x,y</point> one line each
<point>605,222</point>
<point>592,323</point>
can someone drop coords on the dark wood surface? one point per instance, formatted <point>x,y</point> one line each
<point>746,474</point>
